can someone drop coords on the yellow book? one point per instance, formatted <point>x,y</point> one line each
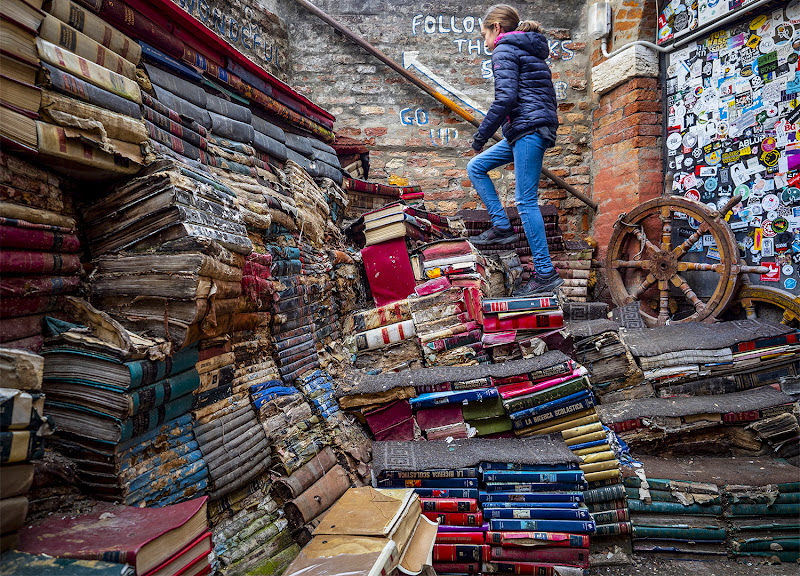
<point>593,437</point>
<point>591,450</point>
<point>73,146</point>
<point>598,456</point>
<point>581,430</point>
<point>600,466</point>
<point>581,418</point>
<point>602,475</point>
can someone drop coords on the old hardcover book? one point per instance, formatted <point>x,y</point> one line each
<point>20,410</point>
<point>531,321</point>
<point>66,111</point>
<point>141,537</point>
<point>23,12</point>
<point>67,145</point>
<point>21,369</point>
<point>137,25</point>
<point>18,40</point>
<point>20,95</point>
<point>72,85</point>
<point>17,69</point>
<point>18,127</point>
<point>409,227</point>
<point>20,445</point>
<point>16,480</point>
<point>95,28</point>
<point>37,237</point>
<point>55,31</point>
<point>24,262</point>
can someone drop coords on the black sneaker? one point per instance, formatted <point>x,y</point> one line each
<point>495,235</point>
<point>539,285</point>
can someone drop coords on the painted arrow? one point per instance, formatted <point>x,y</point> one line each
<point>411,59</point>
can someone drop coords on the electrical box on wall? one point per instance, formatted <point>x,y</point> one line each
<point>599,19</point>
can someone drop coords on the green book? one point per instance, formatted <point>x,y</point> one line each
<point>678,533</point>
<point>547,395</point>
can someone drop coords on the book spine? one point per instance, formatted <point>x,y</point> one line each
<point>20,445</point>
<point>536,514</point>
<point>668,532</point>
<point>459,553</point>
<point>145,372</point>
<point>531,476</point>
<point>429,474</point>
<point>457,567</point>
<point>89,71</point>
<point>173,116</point>
<point>449,505</point>
<point>431,483</point>
<point>615,529</point>
<point>605,493</point>
<point>73,86</point>
<point>460,538</point>
<point>611,516</point>
<point>164,391</point>
<point>509,496</point>
<point>136,25</point>
<point>380,337</point>
<point>559,539</point>
<point>554,555</point>
<point>519,568</point>
<point>541,321</point>
<point>146,421</point>
<point>96,29</point>
<point>174,128</point>
<point>555,412</point>
<point>791,338</point>
<point>32,239</point>
<point>67,37</point>
<point>24,262</point>
<point>753,415</point>
<point>543,525</point>
<point>519,304</point>
<point>455,518</point>
<point>548,395</point>
<point>175,143</point>
<point>471,493</point>
<point>613,504</point>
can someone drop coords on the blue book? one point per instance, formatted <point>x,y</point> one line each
<point>537,513</point>
<point>429,483</point>
<point>565,496</point>
<point>139,444</point>
<point>447,492</point>
<point>591,444</point>
<point>522,476</point>
<point>534,486</point>
<point>558,412</point>
<point>188,465</point>
<point>486,466</point>
<point>165,454</point>
<point>428,474</point>
<point>548,406</point>
<point>487,505</point>
<point>433,399</point>
<point>573,526</point>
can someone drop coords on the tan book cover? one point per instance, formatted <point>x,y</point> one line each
<point>81,147</point>
<point>65,111</point>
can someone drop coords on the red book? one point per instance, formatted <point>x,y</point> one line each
<point>446,248</point>
<point>28,305</point>
<point>141,537</point>
<point>549,539</point>
<point>37,239</point>
<point>460,553</point>
<point>24,262</point>
<point>449,504</point>
<point>432,286</point>
<point>426,388</point>
<point>456,518</point>
<point>627,425</point>
<point>460,537</point>
<point>388,415</point>
<point>528,568</point>
<point>536,321</point>
<point>440,416</point>
<point>555,555</point>
<point>389,271</point>
<point>517,378</point>
<point>456,567</point>
<point>189,560</point>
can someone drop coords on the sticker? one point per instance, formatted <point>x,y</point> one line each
<point>771,158</point>
<point>789,196</point>
<point>787,269</point>
<point>771,215</point>
<point>780,225</point>
<point>711,184</point>
<point>790,283</point>
<point>766,229</point>
<point>708,240</point>
<point>713,254</point>
<point>767,247</point>
<point>693,195</point>
<point>674,141</point>
<point>770,202</point>
<point>774,274</point>
<point>769,144</point>
<point>713,157</point>
<point>743,190</point>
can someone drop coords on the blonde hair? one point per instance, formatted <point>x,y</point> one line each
<point>508,18</point>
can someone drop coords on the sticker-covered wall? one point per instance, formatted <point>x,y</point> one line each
<point>733,127</point>
<point>411,136</point>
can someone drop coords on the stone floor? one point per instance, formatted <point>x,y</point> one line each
<point>648,567</point>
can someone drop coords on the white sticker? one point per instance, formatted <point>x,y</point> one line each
<point>674,141</point>
<point>770,202</point>
<point>787,269</point>
<point>767,247</point>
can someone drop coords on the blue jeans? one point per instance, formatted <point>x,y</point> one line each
<point>527,153</point>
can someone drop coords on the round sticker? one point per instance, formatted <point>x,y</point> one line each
<point>674,141</point>
<point>711,184</point>
<point>790,283</point>
<point>787,269</point>
<point>770,202</point>
<point>689,181</point>
<point>689,139</point>
<point>711,206</point>
<point>769,144</point>
<point>767,45</point>
<point>766,229</point>
<point>790,195</point>
<point>792,58</point>
<point>758,22</point>
<point>772,214</point>
<point>713,157</point>
<point>792,11</point>
<point>780,225</point>
<point>748,241</point>
<point>743,190</point>
<point>693,195</point>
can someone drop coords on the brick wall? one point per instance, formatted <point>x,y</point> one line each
<point>413,137</point>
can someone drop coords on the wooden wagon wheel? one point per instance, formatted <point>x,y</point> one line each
<point>633,255</point>
<point>748,295</point>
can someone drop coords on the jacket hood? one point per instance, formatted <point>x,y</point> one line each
<point>534,43</point>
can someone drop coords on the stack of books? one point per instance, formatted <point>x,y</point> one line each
<point>477,221</point>
<point>447,323</point>
<point>23,427</point>
<point>677,519</point>
<point>40,259</point>
<point>369,531</point>
<point>509,322</point>
<point>167,540</point>
<point>537,518</point>
<point>125,421</point>
<point>84,115</point>
<point>318,387</point>
<point>456,259</point>
<point>403,354</point>
<point>304,511</point>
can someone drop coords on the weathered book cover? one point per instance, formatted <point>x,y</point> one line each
<point>380,337</point>
<point>455,518</point>
<point>20,410</point>
<point>15,563</point>
<point>78,88</point>
<point>537,514</point>
<point>34,239</point>
<point>20,445</point>
<point>25,262</point>
<point>575,526</point>
<point>137,25</point>
<point>389,271</point>
<point>68,146</point>
<point>548,539</point>
<point>460,552</point>
<point>547,395</point>
<point>494,306</point>
<point>533,321</point>
<point>95,27</point>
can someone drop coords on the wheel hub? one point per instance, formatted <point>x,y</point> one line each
<point>664,265</point>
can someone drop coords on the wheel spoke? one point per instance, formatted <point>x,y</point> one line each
<point>666,229</point>
<point>637,291</point>
<point>645,241</point>
<point>632,264</point>
<point>663,302</point>
<point>679,251</point>
<point>700,267</point>
<point>679,282</point>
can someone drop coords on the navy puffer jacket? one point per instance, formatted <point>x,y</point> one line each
<point>524,98</point>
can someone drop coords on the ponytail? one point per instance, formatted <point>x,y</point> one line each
<point>530,26</point>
